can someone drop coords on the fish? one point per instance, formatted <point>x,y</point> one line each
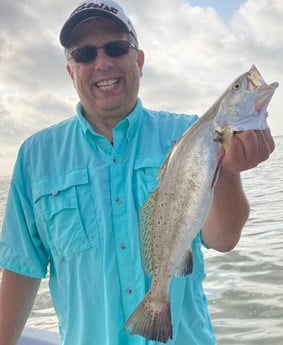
<point>175,212</point>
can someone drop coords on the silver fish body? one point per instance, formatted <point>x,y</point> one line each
<point>173,215</point>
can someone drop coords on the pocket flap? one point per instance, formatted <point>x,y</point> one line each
<point>53,184</point>
<point>148,162</point>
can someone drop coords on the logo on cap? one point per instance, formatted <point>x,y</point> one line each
<point>102,6</point>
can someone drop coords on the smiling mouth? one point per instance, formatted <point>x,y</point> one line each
<point>107,84</point>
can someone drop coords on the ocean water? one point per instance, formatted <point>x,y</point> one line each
<point>245,286</point>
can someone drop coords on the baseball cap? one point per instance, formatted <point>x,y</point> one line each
<point>93,9</point>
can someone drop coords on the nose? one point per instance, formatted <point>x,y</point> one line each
<point>102,61</point>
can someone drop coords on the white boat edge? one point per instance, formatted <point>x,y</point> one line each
<point>36,336</point>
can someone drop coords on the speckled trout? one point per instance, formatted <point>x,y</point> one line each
<point>173,215</point>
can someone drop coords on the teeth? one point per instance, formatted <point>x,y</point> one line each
<point>107,83</point>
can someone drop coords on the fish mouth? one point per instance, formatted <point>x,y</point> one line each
<point>264,98</point>
<point>256,81</point>
<point>264,91</point>
<point>274,85</point>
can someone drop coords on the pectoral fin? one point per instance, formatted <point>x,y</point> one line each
<point>186,266</point>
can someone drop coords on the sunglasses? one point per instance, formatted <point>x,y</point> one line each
<point>112,49</point>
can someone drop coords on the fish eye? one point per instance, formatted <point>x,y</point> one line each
<point>236,86</point>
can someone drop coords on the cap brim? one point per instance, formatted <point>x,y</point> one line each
<point>76,19</point>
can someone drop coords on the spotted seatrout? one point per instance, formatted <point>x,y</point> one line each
<point>173,215</point>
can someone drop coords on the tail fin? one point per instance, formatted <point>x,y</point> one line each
<point>151,320</point>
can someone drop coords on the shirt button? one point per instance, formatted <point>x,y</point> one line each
<point>118,201</point>
<point>116,160</point>
<point>54,193</point>
<point>128,291</point>
<point>123,245</point>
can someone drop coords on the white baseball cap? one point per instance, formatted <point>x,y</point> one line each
<point>93,9</point>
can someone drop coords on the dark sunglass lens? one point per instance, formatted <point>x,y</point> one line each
<point>115,49</point>
<point>85,54</point>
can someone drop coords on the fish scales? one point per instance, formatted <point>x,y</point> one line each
<point>173,215</point>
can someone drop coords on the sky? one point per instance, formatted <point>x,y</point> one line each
<point>194,50</point>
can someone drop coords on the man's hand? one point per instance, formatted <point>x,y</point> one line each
<point>230,208</point>
<point>247,150</point>
<point>17,294</point>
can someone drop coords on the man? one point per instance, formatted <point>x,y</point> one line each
<point>77,188</point>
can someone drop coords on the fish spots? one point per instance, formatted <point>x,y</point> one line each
<point>156,238</point>
<point>171,194</point>
<point>161,222</point>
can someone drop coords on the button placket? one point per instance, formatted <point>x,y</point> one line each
<point>123,246</point>
<point>118,201</point>
<point>127,274</point>
<point>116,160</point>
<point>128,291</point>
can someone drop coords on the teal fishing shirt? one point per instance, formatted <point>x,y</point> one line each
<point>73,207</point>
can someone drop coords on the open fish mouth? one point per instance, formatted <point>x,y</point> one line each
<point>265,97</point>
<point>264,91</point>
<point>256,81</point>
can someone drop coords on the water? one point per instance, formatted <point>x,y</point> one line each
<point>244,286</point>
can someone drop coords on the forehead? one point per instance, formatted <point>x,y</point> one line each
<point>97,28</point>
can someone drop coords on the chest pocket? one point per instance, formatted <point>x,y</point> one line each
<point>64,212</point>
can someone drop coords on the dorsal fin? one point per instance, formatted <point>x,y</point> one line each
<point>146,215</point>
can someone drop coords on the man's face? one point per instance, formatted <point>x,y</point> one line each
<point>107,86</point>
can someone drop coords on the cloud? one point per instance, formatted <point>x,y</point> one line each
<point>192,55</point>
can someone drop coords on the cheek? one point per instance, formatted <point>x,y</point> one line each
<point>136,71</point>
<point>79,75</point>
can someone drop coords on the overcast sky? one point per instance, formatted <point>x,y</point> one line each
<point>194,50</point>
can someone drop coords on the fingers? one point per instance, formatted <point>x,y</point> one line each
<point>258,145</point>
<point>268,144</point>
<point>248,149</point>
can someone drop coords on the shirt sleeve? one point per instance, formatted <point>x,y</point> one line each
<point>21,249</point>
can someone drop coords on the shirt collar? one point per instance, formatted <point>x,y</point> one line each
<point>128,125</point>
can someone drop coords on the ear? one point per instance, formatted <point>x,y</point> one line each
<point>70,71</point>
<point>140,60</point>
